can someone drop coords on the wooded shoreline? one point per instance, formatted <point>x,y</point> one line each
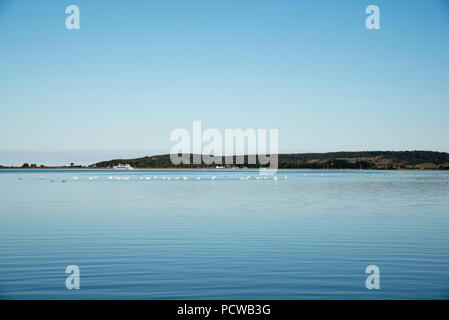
<point>371,160</point>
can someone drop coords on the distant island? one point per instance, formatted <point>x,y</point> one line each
<point>381,160</point>
<point>376,160</point>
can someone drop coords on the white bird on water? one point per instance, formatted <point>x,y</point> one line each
<point>275,178</point>
<point>213,178</point>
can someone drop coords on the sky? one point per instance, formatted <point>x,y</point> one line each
<point>137,70</point>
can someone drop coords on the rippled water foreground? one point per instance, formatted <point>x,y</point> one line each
<point>197,234</point>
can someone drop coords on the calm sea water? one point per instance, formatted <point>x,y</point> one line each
<point>310,235</point>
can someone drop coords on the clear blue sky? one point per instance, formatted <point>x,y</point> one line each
<point>136,70</point>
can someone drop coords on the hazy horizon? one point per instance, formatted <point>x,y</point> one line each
<point>18,158</point>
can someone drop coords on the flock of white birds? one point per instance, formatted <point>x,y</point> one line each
<point>122,177</point>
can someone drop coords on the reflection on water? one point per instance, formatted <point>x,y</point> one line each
<point>195,234</point>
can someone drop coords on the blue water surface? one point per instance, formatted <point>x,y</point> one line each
<point>217,234</point>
